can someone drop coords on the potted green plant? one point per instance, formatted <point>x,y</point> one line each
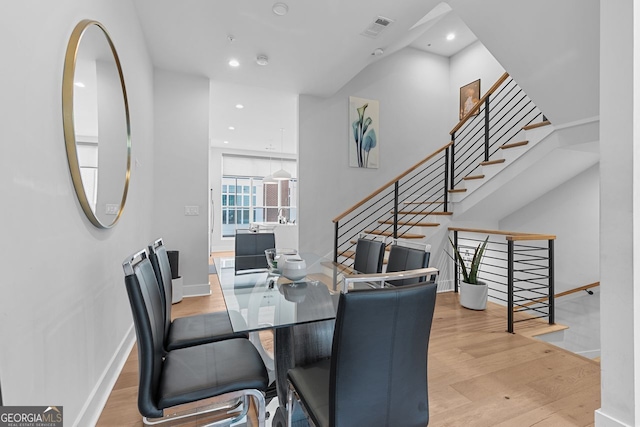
<point>473,292</point>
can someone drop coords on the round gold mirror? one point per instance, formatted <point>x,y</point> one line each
<point>96,123</point>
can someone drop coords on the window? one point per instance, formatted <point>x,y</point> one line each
<point>247,199</point>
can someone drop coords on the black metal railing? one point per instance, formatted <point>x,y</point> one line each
<point>518,269</point>
<point>495,120</point>
<point>397,207</point>
<point>401,205</point>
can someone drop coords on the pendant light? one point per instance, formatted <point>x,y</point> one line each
<point>281,175</point>
<point>269,178</point>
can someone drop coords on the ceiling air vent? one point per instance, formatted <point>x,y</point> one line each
<point>377,27</point>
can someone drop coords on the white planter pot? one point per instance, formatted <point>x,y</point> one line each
<point>474,296</point>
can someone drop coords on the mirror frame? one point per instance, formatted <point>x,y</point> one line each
<point>69,126</point>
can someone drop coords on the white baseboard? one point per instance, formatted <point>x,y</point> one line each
<point>604,420</point>
<point>90,412</point>
<point>196,290</point>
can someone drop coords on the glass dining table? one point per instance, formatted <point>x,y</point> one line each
<point>263,299</point>
<point>301,314</point>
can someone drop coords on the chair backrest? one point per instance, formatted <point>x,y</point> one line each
<point>402,258</point>
<point>250,247</point>
<point>162,269</point>
<point>369,256</point>
<point>148,318</point>
<point>379,357</point>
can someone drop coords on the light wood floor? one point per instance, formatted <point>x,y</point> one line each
<point>479,375</point>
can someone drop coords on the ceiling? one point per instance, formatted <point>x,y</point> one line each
<point>315,49</point>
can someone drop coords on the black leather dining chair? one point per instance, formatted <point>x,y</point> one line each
<point>369,255</point>
<point>230,370</point>
<point>189,330</point>
<point>403,258</point>
<point>249,249</point>
<point>377,373</point>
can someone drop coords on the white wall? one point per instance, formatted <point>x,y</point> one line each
<point>412,87</point>
<point>64,312</point>
<point>181,173</point>
<point>619,219</point>
<point>549,49</point>
<point>470,64</point>
<point>571,212</point>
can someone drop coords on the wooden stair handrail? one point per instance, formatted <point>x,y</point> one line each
<point>561,294</point>
<point>510,235</point>
<point>476,107</point>
<point>398,178</point>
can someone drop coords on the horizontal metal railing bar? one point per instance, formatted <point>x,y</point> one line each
<point>520,288</point>
<point>531,281</point>
<point>434,168</point>
<point>472,133</point>
<point>529,302</point>
<point>525,305</point>
<point>433,183</point>
<point>529,257</point>
<point>537,310</point>
<point>357,224</point>
<point>530,318</point>
<point>532,293</point>
<point>380,200</point>
<point>530,265</point>
<point>534,272</point>
<point>521,308</point>
<point>531,278</point>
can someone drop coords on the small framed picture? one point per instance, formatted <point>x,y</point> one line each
<point>469,96</point>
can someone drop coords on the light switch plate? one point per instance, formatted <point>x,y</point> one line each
<point>192,210</point>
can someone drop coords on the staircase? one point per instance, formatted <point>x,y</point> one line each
<point>420,203</point>
<point>502,145</point>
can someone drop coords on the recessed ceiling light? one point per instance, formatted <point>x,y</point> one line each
<point>262,60</point>
<point>239,106</point>
<point>280,9</point>
<point>226,142</point>
<point>234,63</point>
<point>232,128</point>
<point>451,36</point>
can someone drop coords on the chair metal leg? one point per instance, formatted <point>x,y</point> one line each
<point>289,405</point>
<point>230,401</point>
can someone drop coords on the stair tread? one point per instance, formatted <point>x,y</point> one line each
<point>401,212</point>
<point>536,125</point>
<point>471,177</point>
<point>492,162</point>
<point>352,255</point>
<point>458,190</point>
<point>341,268</point>
<point>412,223</point>
<point>390,233</point>
<point>514,144</point>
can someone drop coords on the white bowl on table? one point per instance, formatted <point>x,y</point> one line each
<point>294,268</point>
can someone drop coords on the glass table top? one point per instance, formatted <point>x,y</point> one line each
<point>259,299</point>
